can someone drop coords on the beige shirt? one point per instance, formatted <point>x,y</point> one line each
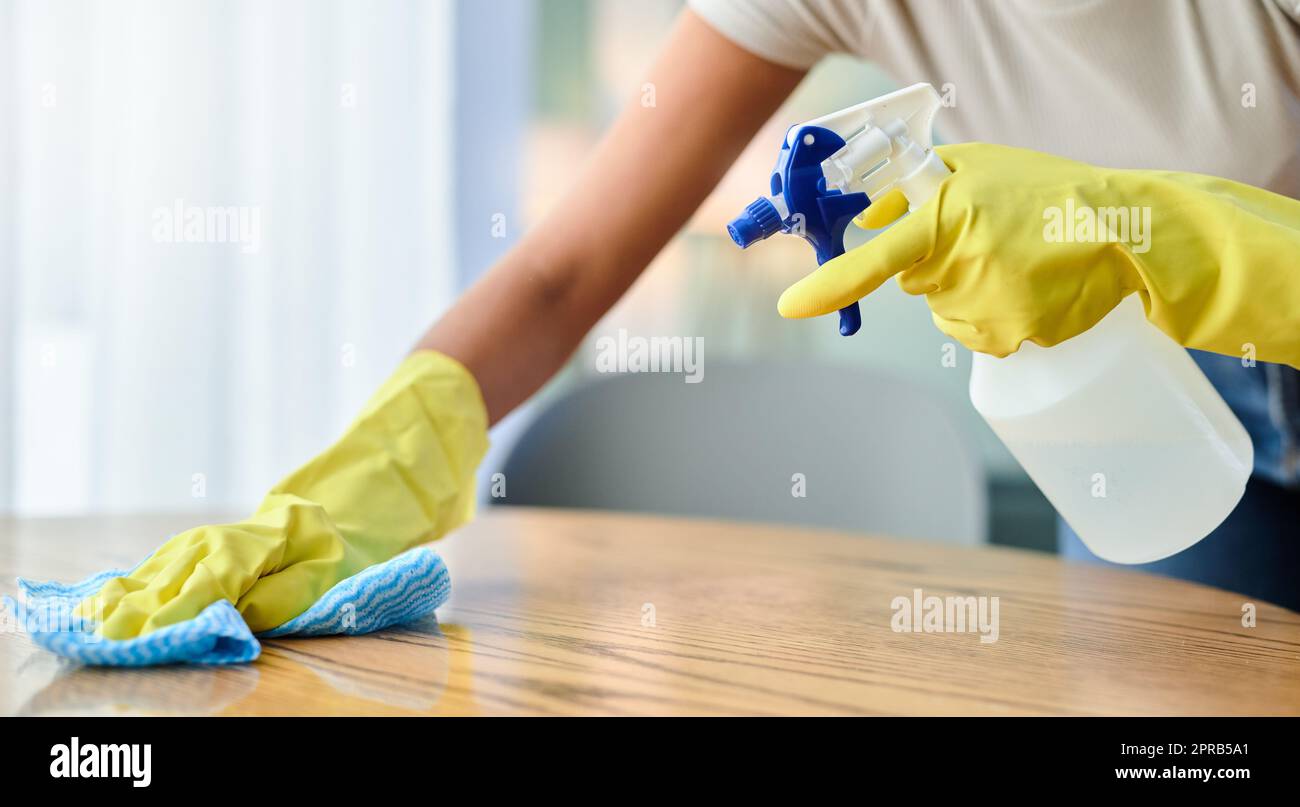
<point>1210,86</point>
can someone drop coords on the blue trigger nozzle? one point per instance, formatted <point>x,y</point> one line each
<point>803,204</point>
<point>758,221</point>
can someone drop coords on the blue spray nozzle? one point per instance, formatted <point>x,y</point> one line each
<point>759,220</point>
<point>813,211</point>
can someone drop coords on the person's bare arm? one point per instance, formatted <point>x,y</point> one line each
<point>520,322</point>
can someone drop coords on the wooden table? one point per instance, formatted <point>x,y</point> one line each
<point>558,612</point>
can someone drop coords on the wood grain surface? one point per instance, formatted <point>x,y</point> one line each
<point>559,612</point>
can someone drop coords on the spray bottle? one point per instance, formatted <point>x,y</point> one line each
<point>1118,427</point>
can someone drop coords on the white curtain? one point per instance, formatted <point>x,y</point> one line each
<point>156,362</point>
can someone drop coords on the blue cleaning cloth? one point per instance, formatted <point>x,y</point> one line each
<point>408,587</point>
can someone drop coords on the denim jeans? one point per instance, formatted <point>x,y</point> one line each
<point>1256,550</point>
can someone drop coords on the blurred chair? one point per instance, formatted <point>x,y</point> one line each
<point>877,454</point>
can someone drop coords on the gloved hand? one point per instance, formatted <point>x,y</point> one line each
<point>1000,262</point>
<point>401,475</point>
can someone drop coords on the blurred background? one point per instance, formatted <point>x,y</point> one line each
<point>387,153</point>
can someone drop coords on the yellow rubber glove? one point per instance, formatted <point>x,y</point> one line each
<point>1002,254</point>
<point>401,475</point>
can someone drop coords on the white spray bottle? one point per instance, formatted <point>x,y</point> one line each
<point>1118,427</point>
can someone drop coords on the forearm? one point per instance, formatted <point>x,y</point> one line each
<point>1244,298</point>
<point>522,320</point>
<point>519,323</point>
